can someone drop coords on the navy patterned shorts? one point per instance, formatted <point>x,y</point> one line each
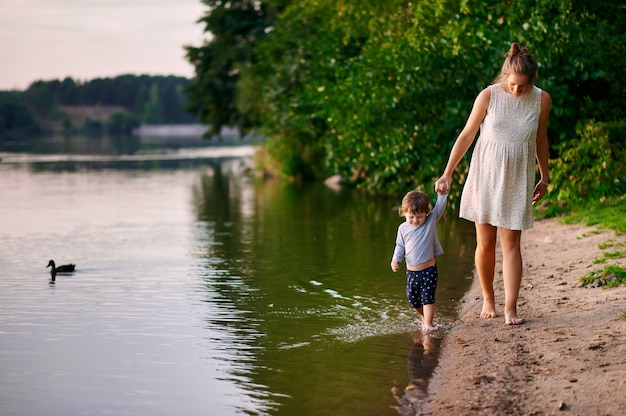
<point>420,286</point>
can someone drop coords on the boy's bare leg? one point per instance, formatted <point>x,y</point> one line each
<point>429,314</point>
<point>510,241</point>
<point>420,312</point>
<point>485,259</point>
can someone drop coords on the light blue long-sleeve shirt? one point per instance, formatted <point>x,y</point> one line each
<point>419,244</point>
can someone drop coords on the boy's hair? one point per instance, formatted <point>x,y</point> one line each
<point>414,202</point>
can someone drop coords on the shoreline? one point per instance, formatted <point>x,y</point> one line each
<point>568,358</point>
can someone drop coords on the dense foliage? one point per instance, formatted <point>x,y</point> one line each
<point>235,29</point>
<point>16,119</point>
<point>377,91</point>
<point>591,164</point>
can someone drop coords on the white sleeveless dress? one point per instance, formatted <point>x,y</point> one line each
<point>501,180</point>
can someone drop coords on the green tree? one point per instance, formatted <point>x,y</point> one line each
<point>234,29</point>
<point>152,110</point>
<point>291,79</point>
<point>122,124</point>
<point>93,127</point>
<point>173,100</point>
<point>67,123</point>
<point>387,110</point>
<point>68,92</point>
<point>16,120</point>
<point>40,96</point>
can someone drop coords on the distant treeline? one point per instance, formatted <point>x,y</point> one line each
<point>127,101</point>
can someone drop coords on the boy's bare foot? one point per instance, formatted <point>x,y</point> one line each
<point>489,310</point>
<point>429,328</point>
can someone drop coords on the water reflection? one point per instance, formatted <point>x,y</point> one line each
<point>222,203</point>
<point>122,335</point>
<point>300,275</point>
<point>60,144</point>
<point>421,361</point>
<point>80,153</point>
<point>199,289</point>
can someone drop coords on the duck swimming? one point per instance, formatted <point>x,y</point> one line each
<point>66,268</point>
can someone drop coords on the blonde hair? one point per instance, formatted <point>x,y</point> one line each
<point>414,202</point>
<point>518,61</point>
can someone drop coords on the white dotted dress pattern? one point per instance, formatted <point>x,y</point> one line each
<point>501,179</point>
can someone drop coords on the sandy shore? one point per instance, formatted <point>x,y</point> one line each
<point>568,358</point>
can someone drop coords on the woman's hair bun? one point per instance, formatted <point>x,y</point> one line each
<point>516,49</point>
<point>518,61</point>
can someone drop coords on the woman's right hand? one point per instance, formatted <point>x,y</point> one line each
<point>442,186</point>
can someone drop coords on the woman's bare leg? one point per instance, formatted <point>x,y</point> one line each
<point>511,272</point>
<point>485,259</point>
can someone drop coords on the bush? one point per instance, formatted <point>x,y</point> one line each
<point>93,127</point>
<point>591,166</point>
<point>16,120</point>
<point>121,123</point>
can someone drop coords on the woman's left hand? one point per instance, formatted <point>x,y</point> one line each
<point>540,191</point>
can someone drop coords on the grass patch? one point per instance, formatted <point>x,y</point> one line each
<point>611,244</point>
<point>608,213</point>
<point>605,213</point>
<point>617,254</point>
<point>610,276</point>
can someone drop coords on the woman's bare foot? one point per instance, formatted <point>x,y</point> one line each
<point>489,310</point>
<point>513,320</point>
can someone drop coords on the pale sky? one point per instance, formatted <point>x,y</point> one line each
<point>86,39</point>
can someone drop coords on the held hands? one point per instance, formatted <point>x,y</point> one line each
<point>395,266</point>
<point>442,186</point>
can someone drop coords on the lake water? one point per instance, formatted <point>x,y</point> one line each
<point>202,291</point>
